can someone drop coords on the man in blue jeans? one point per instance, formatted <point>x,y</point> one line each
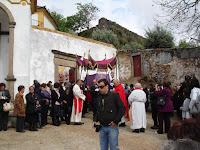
<point>110,110</point>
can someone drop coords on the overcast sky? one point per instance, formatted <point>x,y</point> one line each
<point>135,15</point>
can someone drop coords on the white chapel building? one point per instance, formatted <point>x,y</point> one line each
<point>32,49</point>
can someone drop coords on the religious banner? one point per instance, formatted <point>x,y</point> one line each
<point>100,65</point>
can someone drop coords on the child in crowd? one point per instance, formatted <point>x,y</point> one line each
<point>185,108</point>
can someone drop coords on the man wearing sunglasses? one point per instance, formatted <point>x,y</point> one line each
<point>110,110</point>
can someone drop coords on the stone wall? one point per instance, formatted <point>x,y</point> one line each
<point>161,64</point>
<point>124,62</point>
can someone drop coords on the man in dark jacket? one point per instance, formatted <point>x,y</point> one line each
<point>94,91</point>
<point>153,100</point>
<point>110,110</point>
<point>147,96</point>
<point>85,103</point>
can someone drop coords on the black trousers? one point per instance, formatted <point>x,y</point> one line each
<point>154,114</point>
<point>85,106</point>
<point>94,107</point>
<point>67,112</point>
<point>44,114</point>
<point>55,115</point>
<point>20,124</point>
<point>3,120</point>
<point>164,116</point>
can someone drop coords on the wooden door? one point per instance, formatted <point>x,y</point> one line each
<point>137,66</point>
<point>72,74</point>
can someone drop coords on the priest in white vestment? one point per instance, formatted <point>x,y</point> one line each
<point>137,100</point>
<point>77,107</point>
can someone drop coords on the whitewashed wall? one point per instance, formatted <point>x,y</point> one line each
<point>4,46</point>
<point>42,42</point>
<point>47,24</point>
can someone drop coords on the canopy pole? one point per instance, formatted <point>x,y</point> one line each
<point>116,64</point>
<point>87,67</point>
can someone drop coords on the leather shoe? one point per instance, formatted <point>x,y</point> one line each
<point>78,123</point>
<point>21,131</point>
<point>154,127</point>
<point>142,130</point>
<point>136,131</point>
<point>158,132</point>
<point>35,129</point>
<point>31,129</point>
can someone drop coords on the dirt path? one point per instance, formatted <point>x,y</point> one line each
<point>70,137</point>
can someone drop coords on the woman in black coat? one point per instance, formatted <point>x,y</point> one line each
<point>4,97</point>
<point>56,102</point>
<point>67,105</point>
<point>31,114</point>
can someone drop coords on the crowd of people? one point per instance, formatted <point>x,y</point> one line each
<point>111,103</point>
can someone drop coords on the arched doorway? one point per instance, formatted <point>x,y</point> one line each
<point>7,25</point>
<point>4,45</point>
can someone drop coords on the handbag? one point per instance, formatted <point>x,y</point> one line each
<point>8,107</point>
<point>161,100</point>
<point>38,108</point>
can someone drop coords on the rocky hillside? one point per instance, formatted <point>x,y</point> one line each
<point>124,35</point>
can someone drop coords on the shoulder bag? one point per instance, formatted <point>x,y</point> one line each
<point>161,100</point>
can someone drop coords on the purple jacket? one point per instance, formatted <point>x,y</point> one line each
<point>168,105</point>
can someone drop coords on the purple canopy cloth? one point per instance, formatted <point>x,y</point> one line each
<point>89,78</point>
<point>100,65</point>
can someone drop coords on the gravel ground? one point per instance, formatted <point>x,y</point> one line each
<point>71,137</point>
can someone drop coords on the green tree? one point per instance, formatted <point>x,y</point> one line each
<point>133,46</point>
<point>106,36</point>
<point>60,21</point>
<point>158,38</point>
<point>81,20</point>
<point>86,14</point>
<point>184,43</point>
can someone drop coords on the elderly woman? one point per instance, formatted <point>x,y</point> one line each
<point>4,97</point>
<point>137,100</point>
<point>165,111</point>
<point>45,98</point>
<point>19,109</point>
<point>31,115</point>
